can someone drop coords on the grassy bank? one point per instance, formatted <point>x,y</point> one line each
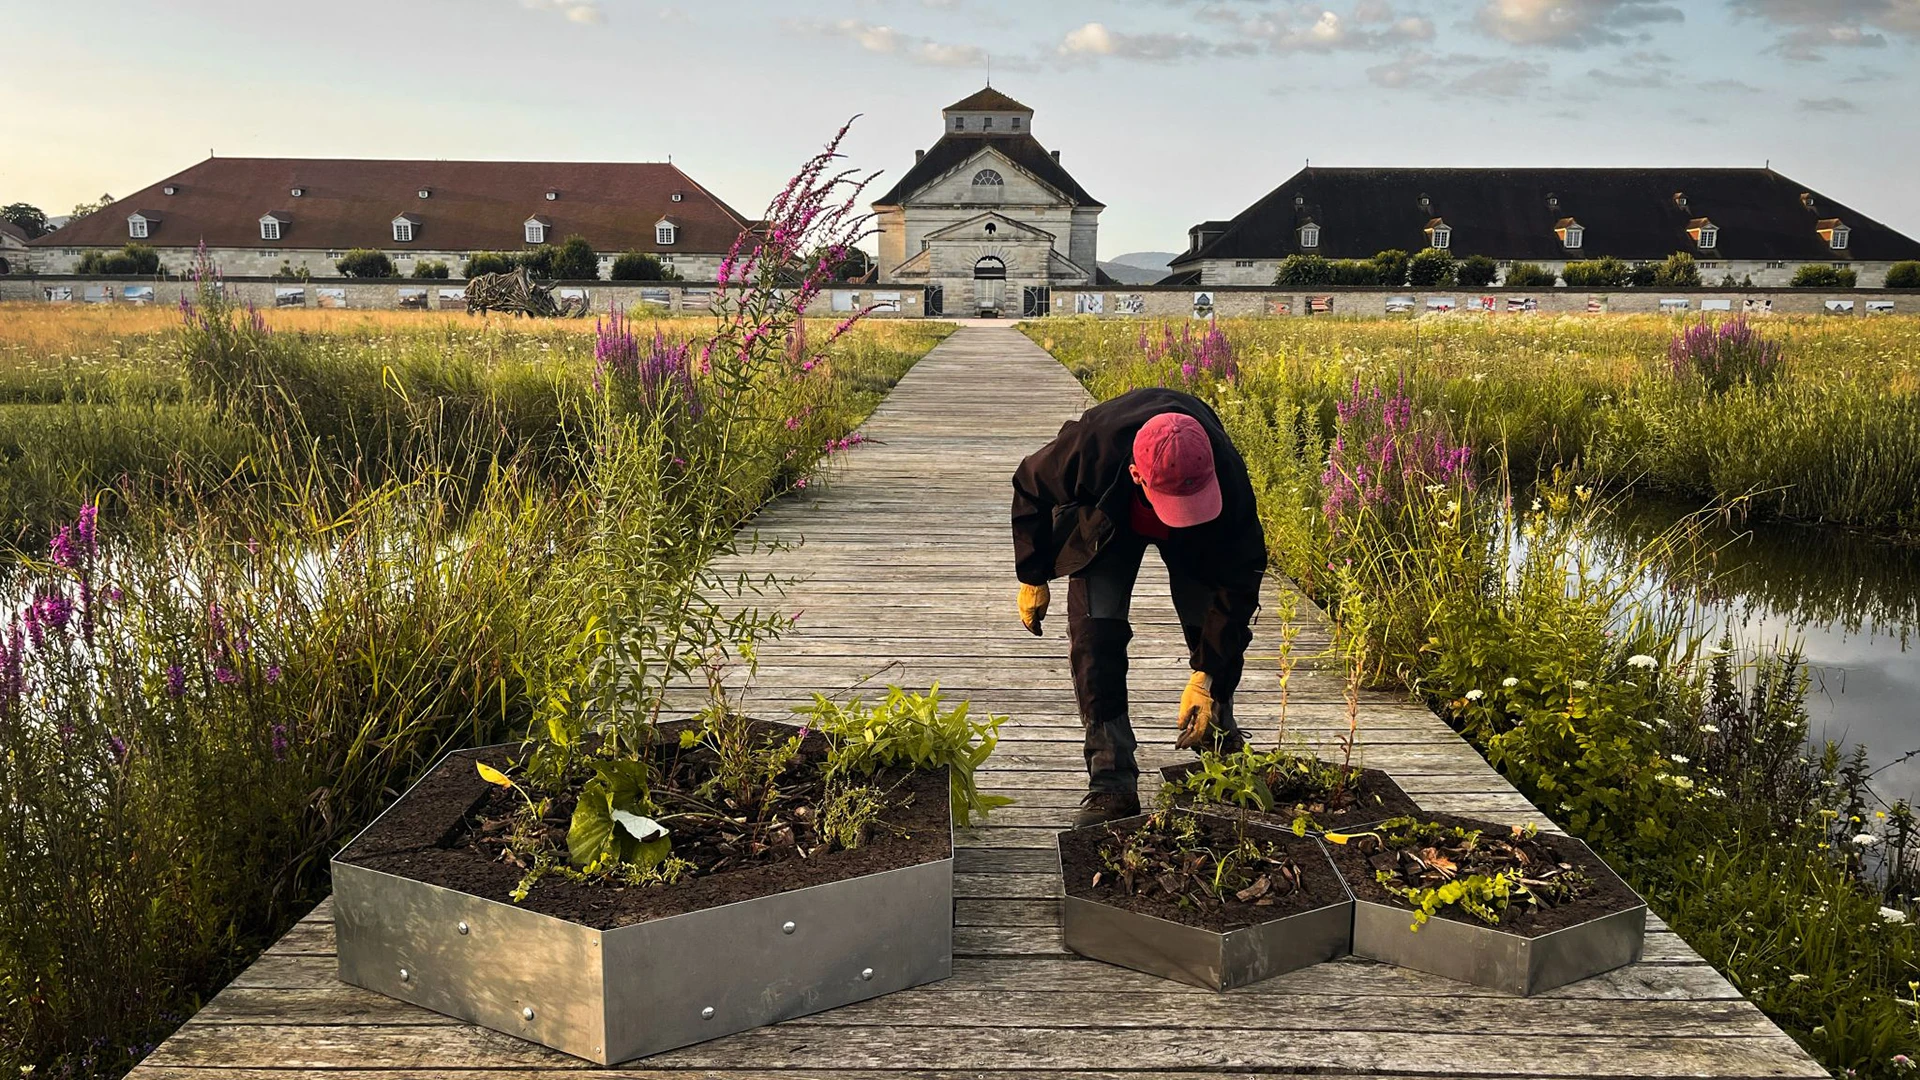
<point>1829,433</point>
<point>274,567</point>
<point>1688,771</point>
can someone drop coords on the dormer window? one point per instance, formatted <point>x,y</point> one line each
<point>959,123</point>
<point>986,123</point>
<point>1573,235</point>
<point>137,227</point>
<point>297,192</point>
<point>1705,233</point>
<point>1309,235</point>
<point>403,229</point>
<point>678,195</point>
<point>169,190</point>
<point>271,226</point>
<point>426,193</point>
<point>665,232</point>
<point>1016,123</point>
<point>536,230</point>
<point>1835,233</point>
<point>1439,234</point>
<point>1680,199</point>
<point>987,177</point>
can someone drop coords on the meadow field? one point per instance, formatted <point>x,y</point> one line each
<point>1455,491</point>
<point>267,566</point>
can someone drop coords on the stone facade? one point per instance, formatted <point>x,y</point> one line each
<point>1164,302</point>
<point>1768,274</point>
<point>988,218</point>
<point>319,263</point>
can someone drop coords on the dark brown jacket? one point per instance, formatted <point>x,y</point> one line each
<point>1071,495</point>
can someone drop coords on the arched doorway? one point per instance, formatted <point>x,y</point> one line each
<point>989,284</point>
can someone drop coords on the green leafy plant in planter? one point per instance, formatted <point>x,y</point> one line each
<point>1433,867</point>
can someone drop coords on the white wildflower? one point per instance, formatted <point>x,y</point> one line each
<point>1643,661</point>
<point>1681,759</point>
<point>1453,506</point>
<point>1509,682</point>
<point>1581,684</point>
<point>1536,505</point>
<point>1475,695</point>
<point>1435,489</point>
<point>1709,729</point>
<point>1865,840</point>
<point>1796,977</point>
<point>1892,915</point>
<point>1684,783</point>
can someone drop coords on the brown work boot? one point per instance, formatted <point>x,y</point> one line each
<point>1100,807</point>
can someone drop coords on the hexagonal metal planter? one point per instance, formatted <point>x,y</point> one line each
<point>1473,952</point>
<point>1398,802</point>
<point>1217,960</point>
<point>627,992</point>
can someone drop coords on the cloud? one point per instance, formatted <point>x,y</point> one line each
<point>580,11</point>
<point>1572,24</point>
<point>1640,69</point>
<point>1728,86</point>
<point>1472,76</point>
<point>1828,105</point>
<point>1094,41</point>
<point>1811,27</point>
<point>887,41</point>
<point>1372,24</point>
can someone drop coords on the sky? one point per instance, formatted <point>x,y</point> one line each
<point>1169,112</point>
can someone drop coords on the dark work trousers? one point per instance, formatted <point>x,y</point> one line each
<point>1216,620</point>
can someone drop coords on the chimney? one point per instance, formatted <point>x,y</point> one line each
<point>1056,156</point>
<point>917,155</point>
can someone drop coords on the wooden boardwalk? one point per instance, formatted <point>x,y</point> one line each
<point>907,562</point>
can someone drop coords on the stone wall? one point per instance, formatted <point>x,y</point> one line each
<point>1156,301</point>
<point>394,293</point>
<point>317,262</point>
<point>1765,275</point>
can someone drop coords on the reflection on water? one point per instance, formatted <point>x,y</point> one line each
<point>1852,605</point>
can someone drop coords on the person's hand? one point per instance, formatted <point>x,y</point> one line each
<point>1033,606</point>
<point>1196,710</point>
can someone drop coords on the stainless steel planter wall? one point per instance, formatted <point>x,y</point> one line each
<point>612,995</point>
<point>1213,959</point>
<point>1498,959</point>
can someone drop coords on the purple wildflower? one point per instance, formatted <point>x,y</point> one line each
<point>280,742</point>
<point>273,674</point>
<point>225,675</point>
<point>118,746</point>
<point>176,681</point>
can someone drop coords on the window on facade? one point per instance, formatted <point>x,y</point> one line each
<point>1839,239</point>
<point>1243,263</point>
<point>1016,123</point>
<point>663,233</point>
<point>987,177</point>
<point>137,227</point>
<point>986,123</point>
<point>1776,264</point>
<point>536,233</point>
<point>1442,236</point>
<point>1709,236</point>
<point>1310,236</point>
<point>959,123</point>
<point>403,232</point>
<point>1574,237</point>
<point>269,229</point>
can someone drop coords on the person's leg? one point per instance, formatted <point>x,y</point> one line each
<point>1098,601</point>
<point>1217,622</point>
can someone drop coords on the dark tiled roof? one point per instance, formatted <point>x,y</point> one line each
<point>1510,214</point>
<point>1181,277</point>
<point>987,100</point>
<point>12,231</point>
<point>475,205</point>
<point>955,148</point>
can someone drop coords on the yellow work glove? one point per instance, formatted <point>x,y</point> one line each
<point>1033,606</point>
<point>1196,710</point>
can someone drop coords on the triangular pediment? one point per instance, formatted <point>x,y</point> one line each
<point>1004,228</point>
<point>989,157</point>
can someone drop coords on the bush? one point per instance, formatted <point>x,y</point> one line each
<point>1304,270</point>
<point>1477,270</point>
<point>1434,266</point>
<point>1528,275</point>
<point>132,259</point>
<point>641,266</point>
<point>1823,276</point>
<point>488,262</point>
<point>429,268</point>
<point>1723,355</point>
<point>1904,275</point>
<point>365,262</point>
<point>574,260</point>
<point>1392,265</point>
<point>1678,272</point>
<point>539,261</point>
<point>1605,272</point>
<point>1643,275</point>
<point>1354,272</point>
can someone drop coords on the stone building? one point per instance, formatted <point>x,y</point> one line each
<point>1746,224</point>
<point>265,216</point>
<point>13,248</point>
<point>987,218</point>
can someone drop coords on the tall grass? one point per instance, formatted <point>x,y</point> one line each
<point>1613,712</point>
<point>1831,434</point>
<point>310,563</point>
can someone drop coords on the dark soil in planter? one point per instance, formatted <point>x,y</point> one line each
<point>1598,890</point>
<point>448,831</point>
<point>1169,886</point>
<point>1371,795</point>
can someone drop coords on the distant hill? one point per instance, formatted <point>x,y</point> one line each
<point>1138,267</point>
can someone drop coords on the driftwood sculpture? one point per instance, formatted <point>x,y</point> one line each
<point>518,293</point>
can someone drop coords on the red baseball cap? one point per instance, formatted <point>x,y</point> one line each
<point>1174,459</point>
